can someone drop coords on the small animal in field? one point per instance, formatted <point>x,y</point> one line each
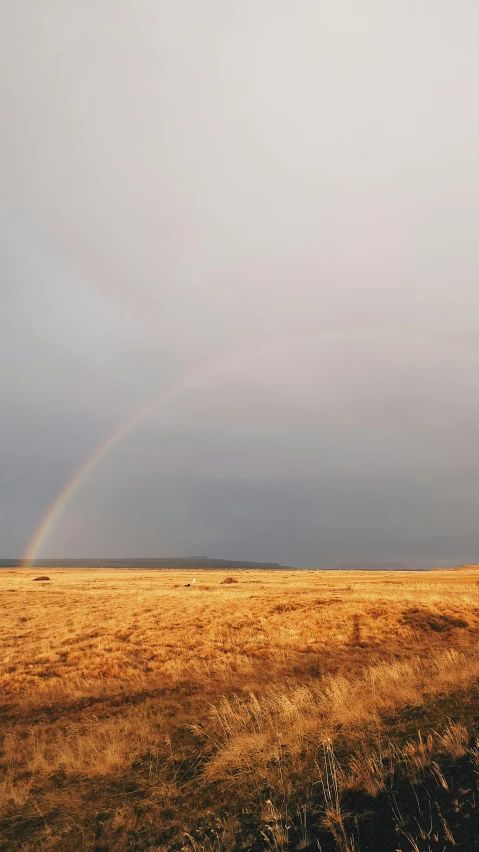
<point>229,580</point>
<point>187,585</point>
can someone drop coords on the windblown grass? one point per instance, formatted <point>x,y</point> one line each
<point>138,713</point>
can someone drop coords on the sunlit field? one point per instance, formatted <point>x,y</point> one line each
<point>247,711</point>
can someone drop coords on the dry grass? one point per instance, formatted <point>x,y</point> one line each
<point>140,713</point>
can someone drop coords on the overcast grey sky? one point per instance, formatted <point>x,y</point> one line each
<point>265,213</point>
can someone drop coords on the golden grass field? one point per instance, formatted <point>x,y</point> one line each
<point>285,710</point>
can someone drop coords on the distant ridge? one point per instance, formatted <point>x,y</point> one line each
<point>156,564</point>
<point>468,567</point>
<point>206,562</point>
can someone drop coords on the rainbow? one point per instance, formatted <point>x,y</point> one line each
<point>58,506</point>
<point>188,383</point>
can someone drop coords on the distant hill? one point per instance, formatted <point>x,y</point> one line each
<point>471,567</point>
<point>205,562</point>
<point>155,564</point>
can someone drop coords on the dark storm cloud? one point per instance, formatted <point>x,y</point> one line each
<point>278,203</point>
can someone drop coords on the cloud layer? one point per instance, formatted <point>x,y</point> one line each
<point>275,206</point>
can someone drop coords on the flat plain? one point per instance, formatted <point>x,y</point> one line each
<point>248,710</point>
